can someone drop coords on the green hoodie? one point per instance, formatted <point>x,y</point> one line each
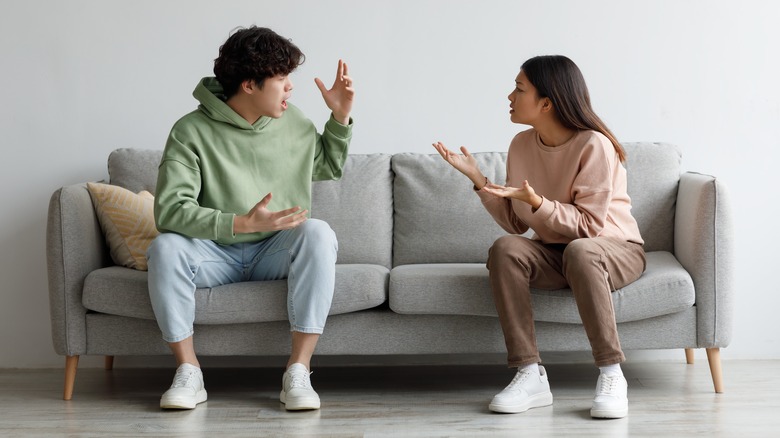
<point>217,165</point>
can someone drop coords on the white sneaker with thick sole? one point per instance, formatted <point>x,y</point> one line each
<point>526,390</point>
<point>187,389</point>
<point>297,393</point>
<point>611,399</point>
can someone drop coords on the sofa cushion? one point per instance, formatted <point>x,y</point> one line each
<point>124,292</point>
<point>127,221</point>
<point>134,169</point>
<point>359,208</point>
<point>438,217</point>
<point>464,289</point>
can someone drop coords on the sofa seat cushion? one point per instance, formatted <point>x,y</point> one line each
<point>124,292</point>
<point>464,289</point>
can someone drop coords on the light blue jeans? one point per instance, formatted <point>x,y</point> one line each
<point>305,255</point>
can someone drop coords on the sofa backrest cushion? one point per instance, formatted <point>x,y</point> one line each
<point>438,217</point>
<point>359,207</point>
<point>134,169</point>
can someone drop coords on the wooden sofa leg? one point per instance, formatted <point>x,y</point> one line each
<point>713,356</point>
<point>109,363</point>
<point>71,364</point>
<point>689,356</point>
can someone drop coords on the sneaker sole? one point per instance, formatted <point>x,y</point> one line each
<point>536,401</point>
<point>183,403</point>
<point>609,413</point>
<point>299,404</point>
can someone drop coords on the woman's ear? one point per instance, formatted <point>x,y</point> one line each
<point>547,105</point>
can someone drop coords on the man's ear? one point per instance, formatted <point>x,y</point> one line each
<point>249,86</point>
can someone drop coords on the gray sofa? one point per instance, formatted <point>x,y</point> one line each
<point>411,276</point>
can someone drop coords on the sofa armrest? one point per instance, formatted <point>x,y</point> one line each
<point>74,247</point>
<point>703,243</point>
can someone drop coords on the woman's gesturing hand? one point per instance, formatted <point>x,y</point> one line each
<point>525,193</point>
<point>465,163</point>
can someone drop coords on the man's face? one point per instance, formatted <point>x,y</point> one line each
<point>271,99</point>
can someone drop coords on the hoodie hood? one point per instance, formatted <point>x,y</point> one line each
<point>210,94</point>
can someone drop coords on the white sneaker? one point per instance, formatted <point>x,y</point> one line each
<point>611,399</point>
<point>297,393</point>
<point>526,390</point>
<point>187,389</point>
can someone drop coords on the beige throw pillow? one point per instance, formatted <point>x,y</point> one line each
<point>127,220</point>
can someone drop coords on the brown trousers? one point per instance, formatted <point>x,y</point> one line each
<point>591,267</point>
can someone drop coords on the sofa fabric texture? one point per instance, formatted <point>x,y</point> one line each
<point>411,276</point>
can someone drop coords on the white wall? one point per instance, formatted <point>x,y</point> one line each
<point>81,78</point>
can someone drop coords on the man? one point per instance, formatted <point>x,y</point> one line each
<point>245,143</point>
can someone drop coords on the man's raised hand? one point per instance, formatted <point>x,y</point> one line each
<point>339,98</point>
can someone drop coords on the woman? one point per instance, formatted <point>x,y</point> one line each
<point>565,180</point>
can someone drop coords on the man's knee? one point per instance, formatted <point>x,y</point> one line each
<point>164,244</point>
<point>319,234</point>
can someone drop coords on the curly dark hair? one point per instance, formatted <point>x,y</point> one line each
<point>254,53</point>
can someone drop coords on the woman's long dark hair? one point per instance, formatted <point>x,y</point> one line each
<point>558,78</point>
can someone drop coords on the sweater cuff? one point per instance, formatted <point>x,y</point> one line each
<point>546,209</point>
<point>225,226</point>
<point>339,130</point>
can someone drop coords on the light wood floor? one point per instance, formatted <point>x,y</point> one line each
<point>666,399</point>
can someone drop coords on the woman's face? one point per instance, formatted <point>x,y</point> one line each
<point>524,102</point>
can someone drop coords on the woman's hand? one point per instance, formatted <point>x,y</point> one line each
<point>339,98</point>
<point>525,193</point>
<point>465,164</point>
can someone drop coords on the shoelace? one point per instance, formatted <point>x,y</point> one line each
<point>608,384</point>
<point>182,379</point>
<point>299,380</point>
<point>519,378</point>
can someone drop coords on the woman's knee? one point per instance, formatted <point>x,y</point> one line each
<point>581,254</point>
<point>581,249</point>
<point>509,247</point>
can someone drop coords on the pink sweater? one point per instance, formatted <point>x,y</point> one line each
<point>582,183</point>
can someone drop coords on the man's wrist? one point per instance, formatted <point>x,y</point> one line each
<point>238,224</point>
<point>343,119</point>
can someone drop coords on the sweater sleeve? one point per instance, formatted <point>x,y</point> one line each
<point>176,207</point>
<point>591,194</point>
<point>501,211</point>
<point>331,150</point>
